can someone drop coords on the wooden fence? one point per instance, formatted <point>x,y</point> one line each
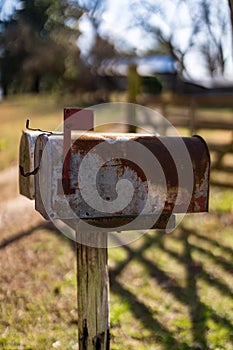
<point>209,112</point>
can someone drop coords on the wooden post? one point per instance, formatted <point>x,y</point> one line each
<point>193,110</point>
<point>133,89</point>
<point>93,291</point>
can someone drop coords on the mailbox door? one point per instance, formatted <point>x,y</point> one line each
<point>26,163</point>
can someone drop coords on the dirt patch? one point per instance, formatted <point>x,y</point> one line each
<point>17,213</point>
<point>8,184</point>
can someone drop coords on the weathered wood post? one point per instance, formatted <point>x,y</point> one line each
<point>104,183</point>
<point>93,292</point>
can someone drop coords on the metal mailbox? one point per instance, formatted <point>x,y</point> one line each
<point>117,177</point>
<point>26,163</point>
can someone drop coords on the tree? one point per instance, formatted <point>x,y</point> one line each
<point>102,48</point>
<point>185,27</point>
<point>2,4</point>
<point>230,4</point>
<point>101,52</point>
<point>38,46</point>
<point>212,48</point>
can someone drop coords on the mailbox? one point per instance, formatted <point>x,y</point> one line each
<point>26,163</point>
<point>115,178</point>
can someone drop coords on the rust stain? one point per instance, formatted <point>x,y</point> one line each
<point>123,164</point>
<point>197,150</point>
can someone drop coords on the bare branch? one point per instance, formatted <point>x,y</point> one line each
<point>230,4</point>
<point>206,28</point>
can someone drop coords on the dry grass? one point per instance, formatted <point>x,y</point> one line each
<point>42,111</point>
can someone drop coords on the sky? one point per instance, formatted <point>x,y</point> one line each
<point>118,24</point>
<point>9,5</point>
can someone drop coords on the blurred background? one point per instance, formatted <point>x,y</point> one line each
<point>176,57</point>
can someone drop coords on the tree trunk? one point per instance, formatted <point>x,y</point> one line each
<point>230,2</point>
<point>36,84</point>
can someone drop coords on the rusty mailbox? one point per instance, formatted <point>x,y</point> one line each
<point>109,182</point>
<point>114,178</point>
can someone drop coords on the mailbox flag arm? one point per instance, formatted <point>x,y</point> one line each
<point>74,119</point>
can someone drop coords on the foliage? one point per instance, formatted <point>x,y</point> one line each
<point>39,49</point>
<point>28,49</point>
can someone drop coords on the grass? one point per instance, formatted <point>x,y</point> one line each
<point>38,294</point>
<point>181,290</point>
<point>43,112</point>
<point>168,292</point>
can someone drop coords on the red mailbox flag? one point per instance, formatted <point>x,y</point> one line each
<point>74,119</point>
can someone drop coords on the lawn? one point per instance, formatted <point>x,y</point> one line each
<point>43,111</point>
<point>168,292</point>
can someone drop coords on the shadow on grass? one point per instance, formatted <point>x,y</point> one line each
<point>188,294</point>
<point>199,312</point>
<point>33,230</point>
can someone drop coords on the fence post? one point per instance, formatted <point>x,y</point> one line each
<point>93,291</point>
<point>133,89</point>
<point>193,112</point>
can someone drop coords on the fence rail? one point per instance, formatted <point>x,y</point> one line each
<point>193,112</point>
